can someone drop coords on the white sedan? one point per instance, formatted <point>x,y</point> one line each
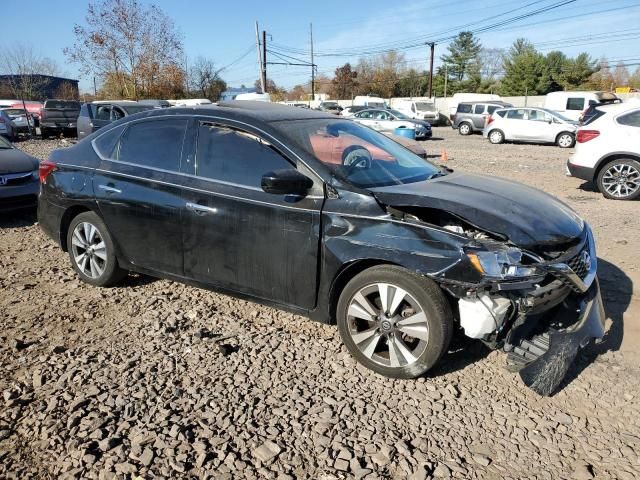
<point>534,125</point>
<point>387,121</point>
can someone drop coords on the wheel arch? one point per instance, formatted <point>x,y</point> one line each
<point>346,273</point>
<point>609,157</point>
<point>69,214</point>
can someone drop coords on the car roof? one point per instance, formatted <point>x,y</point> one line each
<point>492,102</point>
<point>619,107</point>
<point>264,111</point>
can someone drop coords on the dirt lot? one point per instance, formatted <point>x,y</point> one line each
<point>155,379</point>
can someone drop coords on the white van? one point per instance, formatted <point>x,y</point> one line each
<point>573,104</point>
<point>469,97</point>
<point>418,109</point>
<point>369,101</point>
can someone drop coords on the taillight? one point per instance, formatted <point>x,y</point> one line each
<point>489,120</point>
<point>45,169</point>
<point>585,135</point>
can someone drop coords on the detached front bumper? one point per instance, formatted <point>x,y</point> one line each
<point>544,374</point>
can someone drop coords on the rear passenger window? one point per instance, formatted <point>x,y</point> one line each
<point>492,108</point>
<point>106,144</point>
<point>155,143</point>
<point>630,119</point>
<point>575,103</point>
<point>235,156</point>
<point>478,109</point>
<point>464,108</point>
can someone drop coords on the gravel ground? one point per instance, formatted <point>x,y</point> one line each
<point>155,379</point>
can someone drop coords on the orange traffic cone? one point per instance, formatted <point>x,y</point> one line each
<point>443,156</point>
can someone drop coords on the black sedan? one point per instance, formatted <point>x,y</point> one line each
<point>324,217</point>
<point>18,178</point>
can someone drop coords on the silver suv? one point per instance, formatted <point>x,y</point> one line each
<point>471,117</point>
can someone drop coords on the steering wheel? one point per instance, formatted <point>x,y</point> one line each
<point>357,156</point>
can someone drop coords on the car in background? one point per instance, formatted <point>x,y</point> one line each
<point>330,107</point>
<point>399,252</point>
<point>34,109</point>
<point>7,128</point>
<point>387,120</point>
<point>59,117</point>
<point>574,105</point>
<point>472,117</point>
<point>94,116</point>
<point>22,120</point>
<point>533,125</point>
<point>419,109</point>
<point>155,103</point>
<point>352,110</point>
<point>608,151</point>
<point>19,184</point>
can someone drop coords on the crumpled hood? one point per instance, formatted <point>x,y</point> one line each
<point>526,216</point>
<point>16,161</point>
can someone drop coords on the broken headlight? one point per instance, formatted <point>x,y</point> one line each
<point>503,263</point>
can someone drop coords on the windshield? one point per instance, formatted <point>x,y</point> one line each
<point>4,143</point>
<point>399,115</point>
<point>558,115</point>
<point>425,106</point>
<point>357,154</point>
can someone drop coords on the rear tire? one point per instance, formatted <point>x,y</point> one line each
<point>92,252</point>
<point>620,179</point>
<point>565,140</point>
<point>496,137</point>
<point>402,339</point>
<point>465,128</point>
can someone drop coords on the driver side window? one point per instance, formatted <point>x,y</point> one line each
<point>235,156</point>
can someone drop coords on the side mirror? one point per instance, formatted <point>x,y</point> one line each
<point>286,182</point>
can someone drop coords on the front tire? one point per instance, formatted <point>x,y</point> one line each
<point>496,137</point>
<point>92,252</point>
<point>394,322</point>
<point>465,129</point>
<point>620,179</point>
<point>566,140</point>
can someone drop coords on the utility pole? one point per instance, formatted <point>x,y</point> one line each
<point>262,83</point>
<point>446,76</point>
<point>313,66</point>
<point>433,46</point>
<point>95,90</point>
<point>264,62</point>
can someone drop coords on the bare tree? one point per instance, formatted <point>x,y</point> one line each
<point>66,91</point>
<point>490,61</point>
<point>128,42</point>
<point>27,70</point>
<point>205,79</point>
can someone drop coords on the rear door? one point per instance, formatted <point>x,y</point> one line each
<point>479,116</point>
<point>238,237</point>
<point>138,188</point>
<point>629,137</point>
<point>514,124</point>
<point>101,115</point>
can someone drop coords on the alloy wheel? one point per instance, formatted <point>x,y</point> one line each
<point>89,250</point>
<point>621,180</point>
<point>387,325</point>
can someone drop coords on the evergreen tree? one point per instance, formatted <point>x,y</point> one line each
<point>463,52</point>
<point>526,71</point>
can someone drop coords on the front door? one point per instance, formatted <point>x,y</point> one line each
<point>238,237</point>
<point>139,193</point>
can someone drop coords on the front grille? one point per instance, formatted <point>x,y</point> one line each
<point>578,265</point>
<point>11,179</point>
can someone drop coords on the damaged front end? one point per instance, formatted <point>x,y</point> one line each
<point>540,305</point>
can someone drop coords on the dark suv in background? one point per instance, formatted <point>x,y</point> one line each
<point>94,116</point>
<point>471,117</point>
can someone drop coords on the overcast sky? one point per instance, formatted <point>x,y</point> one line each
<point>225,31</point>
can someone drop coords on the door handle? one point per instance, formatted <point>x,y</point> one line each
<point>108,189</point>
<point>201,209</point>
